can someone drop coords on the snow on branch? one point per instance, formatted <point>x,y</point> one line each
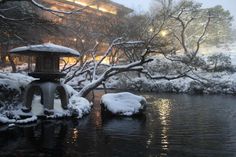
<point>12,19</point>
<point>111,71</point>
<point>6,9</point>
<point>116,43</point>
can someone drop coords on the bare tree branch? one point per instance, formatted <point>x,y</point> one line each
<point>135,66</point>
<point>12,19</point>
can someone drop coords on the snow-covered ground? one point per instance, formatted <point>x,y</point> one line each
<point>124,103</point>
<point>13,84</point>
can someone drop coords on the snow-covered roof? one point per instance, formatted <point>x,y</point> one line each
<point>47,48</point>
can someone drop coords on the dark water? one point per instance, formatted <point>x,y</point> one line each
<point>174,126</point>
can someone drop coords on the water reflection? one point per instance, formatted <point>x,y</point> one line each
<point>124,126</point>
<point>163,106</point>
<point>158,129</point>
<point>174,126</point>
<point>45,137</point>
<point>75,135</point>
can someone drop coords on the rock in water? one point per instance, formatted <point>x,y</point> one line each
<point>123,104</point>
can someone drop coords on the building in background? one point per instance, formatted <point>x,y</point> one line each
<point>94,25</point>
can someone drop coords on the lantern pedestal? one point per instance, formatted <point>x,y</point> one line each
<point>47,90</point>
<point>47,58</point>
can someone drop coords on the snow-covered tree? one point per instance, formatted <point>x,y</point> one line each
<point>219,62</point>
<point>188,26</point>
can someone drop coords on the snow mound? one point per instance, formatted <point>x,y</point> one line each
<point>14,81</point>
<point>124,103</point>
<point>79,105</point>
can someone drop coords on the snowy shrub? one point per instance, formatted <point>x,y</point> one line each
<point>219,62</point>
<point>198,62</point>
<point>196,88</point>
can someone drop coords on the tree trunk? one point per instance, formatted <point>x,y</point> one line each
<point>215,65</point>
<point>3,55</point>
<point>13,65</point>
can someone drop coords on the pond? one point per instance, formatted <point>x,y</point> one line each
<point>174,126</point>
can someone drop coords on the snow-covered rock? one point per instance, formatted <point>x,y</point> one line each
<point>124,103</point>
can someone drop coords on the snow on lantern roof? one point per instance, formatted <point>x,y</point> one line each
<point>45,49</point>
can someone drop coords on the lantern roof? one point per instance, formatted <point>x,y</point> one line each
<point>45,49</point>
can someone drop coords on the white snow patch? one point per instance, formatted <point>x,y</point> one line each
<point>45,48</point>
<point>27,120</point>
<point>14,81</point>
<point>4,119</point>
<point>11,125</point>
<point>79,105</point>
<point>124,103</point>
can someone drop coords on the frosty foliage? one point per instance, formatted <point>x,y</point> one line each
<point>219,62</point>
<point>12,85</point>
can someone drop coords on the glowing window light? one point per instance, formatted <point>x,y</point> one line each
<point>93,6</point>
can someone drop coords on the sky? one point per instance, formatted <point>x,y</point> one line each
<point>144,5</point>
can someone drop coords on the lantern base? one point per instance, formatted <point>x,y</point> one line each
<point>47,90</point>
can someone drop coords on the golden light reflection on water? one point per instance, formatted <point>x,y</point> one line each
<point>164,112</point>
<point>164,107</point>
<point>75,135</point>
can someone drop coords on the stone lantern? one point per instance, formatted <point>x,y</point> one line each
<point>48,74</point>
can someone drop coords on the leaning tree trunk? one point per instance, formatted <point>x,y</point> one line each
<point>88,88</point>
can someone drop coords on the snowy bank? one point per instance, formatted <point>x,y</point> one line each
<point>13,84</point>
<point>218,83</point>
<point>125,103</point>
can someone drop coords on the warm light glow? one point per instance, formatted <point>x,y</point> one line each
<point>105,61</point>
<point>151,30</point>
<point>163,33</point>
<point>97,42</point>
<point>70,60</point>
<point>100,8</point>
<point>7,58</point>
<point>83,40</point>
<point>75,39</point>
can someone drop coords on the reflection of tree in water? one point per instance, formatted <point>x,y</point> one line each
<point>183,127</point>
